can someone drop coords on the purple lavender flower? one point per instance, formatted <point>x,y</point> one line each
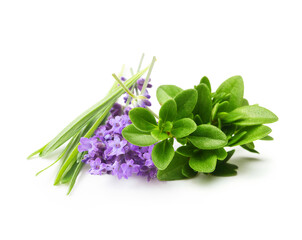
<point>129,168</point>
<point>140,83</point>
<point>89,145</point>
<point>116,110</point>
<point>108,152</point>
<point>116,146</point>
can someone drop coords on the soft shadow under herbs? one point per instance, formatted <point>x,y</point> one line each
<point>239,165</point>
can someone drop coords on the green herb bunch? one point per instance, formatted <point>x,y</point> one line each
<point>204,123</point>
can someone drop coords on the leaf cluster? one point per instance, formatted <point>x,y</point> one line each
<point>204,123</point>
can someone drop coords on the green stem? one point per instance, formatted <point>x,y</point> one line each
<point>148,76</point>
<point>140,62</point>
<point>122,85</point>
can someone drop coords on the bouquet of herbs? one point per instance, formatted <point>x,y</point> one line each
<point>129,139</point>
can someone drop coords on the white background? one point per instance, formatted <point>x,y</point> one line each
<point>56,60</point>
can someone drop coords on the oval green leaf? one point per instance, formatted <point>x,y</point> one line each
<point>208,137</point>
<point>162,154</point>
<point>186,101</point>
<point>183,127</point>
<point>204,103</point>
<point>142,119</point>
<point>250,115</point>
<point>206,81</point>
<point>166,92</point>
<point>137,137</point>
<point>203,161</point>
<point>168,111</point>
<point>235,87</point>
<point>174,170</point>
<point>253,133</point>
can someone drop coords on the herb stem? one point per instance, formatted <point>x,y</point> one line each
<point>148,76</point>
<point>140,62</point>
<point>122,85</point>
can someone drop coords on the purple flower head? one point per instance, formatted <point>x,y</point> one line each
<point>116,110</point>
<point>129,168</point>
<point>108,152</point>
<point>117,125</point>
<point>140,83</point>
<point>89,145</point>
<point>116,146</point>
<point>97,167</point>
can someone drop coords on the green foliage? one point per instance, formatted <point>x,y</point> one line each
<point>204,103</point>
<point>175,169</point>
<point>137,137</point>
<point>203,161</point>
<point>162,154</point>
<point>186,101</point>
<point>208,137</point>
<point>183,127</point>
<point>166,92</point>
<point>250,115</point>
<point>168,111</point>
<point>206,81</point>
<point>204,123</point>
<point>253,133</point>
<point>142,119</point>
<point>233,87</point>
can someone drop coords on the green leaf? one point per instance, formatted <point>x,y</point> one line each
<point>245,102</point>
<point>229,155</point>
<point>68,175</point>
<point>221,153</point>
<point>167,126</point>
<point>142,119</point>
<point>185,151</point>
<point>174,170</point>
<point>225,170</point>
<point>186,101</point>
<point>250,115</point>
<point>235,87</point>
<point>267,138</point>
<point>253,133</point>
<point>74,176</point>
<point>197,119</point>
<point>183,127</point>
<point>236,138</point>
<point>168,111</point>
<point>182,141</point>
<point>203,161</point>
<point>72,157</point>
<point>166,92</point>
<point>188,172</point>
<point>137,137</point>
<point>204,103</point>
<point>250,147</point>
<point>162,154</point>
<point>206,81</point>
<point>223,107</point>
<point>82,120</point>
<point>214,111</point>
<point>208,137</point>
<point>159,135</point>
